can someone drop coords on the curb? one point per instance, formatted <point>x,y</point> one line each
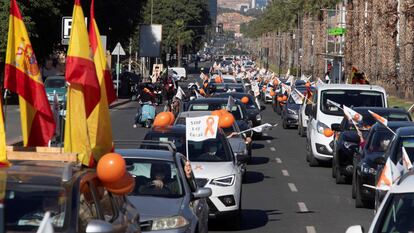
<point>119,102</point>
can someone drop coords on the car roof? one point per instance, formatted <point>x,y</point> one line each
<point>392,125</point>
<point>350,87</point>
<point>379,110</point>
<point>405,131</point>
<point>49,173</point>
<point>55,77</point>
<point>194,114</point>
<point>236,94</point>
<point>405,184</point>
<point>171,129</point>
<point>146,154</point>
<point>211,100</point>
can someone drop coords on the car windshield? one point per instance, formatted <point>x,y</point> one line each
<point>379,141</point>
<point>397,214</point>
<point>236,110</point>
<point>55,83</point>
<point>26,205</point>
<point>155,178</point>
<point>350,98</point>
<point>178,141</point>
<point>408,143</point>
<point>211,150</point>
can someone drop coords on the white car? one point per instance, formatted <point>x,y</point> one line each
<point>396,210</point>
<point>179,72</point>
<point>322,114</point>
<point>268,98</point>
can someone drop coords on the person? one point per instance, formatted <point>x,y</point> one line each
<point>146,97</point>
<point>203,76</point>
<point>327,77</point>
<point>49,68</point>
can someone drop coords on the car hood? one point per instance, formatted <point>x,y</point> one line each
<point>237,144</point>
<point>370,157</point>
<point>212,170</point>
<point>155,207</point>
<point>293,106</point>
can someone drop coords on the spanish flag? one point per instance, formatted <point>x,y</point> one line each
<point>99,122</point>
<point>22,76</point>
<point>3,155</point>
<point>83,92</point>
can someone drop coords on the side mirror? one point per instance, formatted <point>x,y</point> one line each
<point>355,229</point>
<point>99,226</point>
<point>336,127</point>
<point>380,161</point>
<point>202,193</point>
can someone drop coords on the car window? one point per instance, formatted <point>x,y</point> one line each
<point>380,141</point>
<point>87,206</point>
<point>155,178</point>
<point>191,181</point>
<point>211,150</point>
<point>25,206</point>
<point>55,83</point>
<point>199,107</point>
<point>408,143</point>
<point>397,214</point>
<point>350,98</point>
<point>179,142</point>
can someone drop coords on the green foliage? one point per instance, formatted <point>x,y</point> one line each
<point>283,15</point>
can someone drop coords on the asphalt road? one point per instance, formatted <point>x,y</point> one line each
<point>281,193</point>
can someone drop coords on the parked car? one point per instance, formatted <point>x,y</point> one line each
<point>346,143</point>
<point>322,115</point>
<point>396,211</point>
<point>179,72</point>
<point>365,166</point>
<point>178,205</point>
<point>56,85</point>
<point>75,197</point>
<point>404,137</point>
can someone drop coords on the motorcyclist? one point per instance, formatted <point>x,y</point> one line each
<point>145,97</point>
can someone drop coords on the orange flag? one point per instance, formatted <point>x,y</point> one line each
<point>99,122</point>
<point>22,76</point>
<point>83,93</point>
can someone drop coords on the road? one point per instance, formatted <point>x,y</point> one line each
<point>281,192</point>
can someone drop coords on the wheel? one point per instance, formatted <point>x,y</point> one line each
<point>354,184</point>
<point>237,218</point>
<point>333,168</point>
<point>302,132</point>
<point>284,125</point>
<point>148,123</point>
<point>359,203</point>
<point>313,162</point>
<point>339,178</point>
<point>307,151</point>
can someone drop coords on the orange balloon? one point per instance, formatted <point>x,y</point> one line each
<point>307,84</point>
<point>245,100</point>
<point>279,99</point>
<point>123,186</point>
<point>162,119</point>
<point>272,93</point>
<point>226,120</point>
<point>111,167</point>
<point>284,98</point>
<point>328,132</point>
<point>172,118</point>
<point>276,82</point>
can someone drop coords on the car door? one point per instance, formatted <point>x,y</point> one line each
<point>312,117</point>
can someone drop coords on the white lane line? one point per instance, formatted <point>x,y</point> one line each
<point>310,229</point>
<point>272,148</point>
<point>265,134</point>
<point>293,188</point>
<point>285,172</point>
<point>302,207</point>
<point>268,141</point>
<point>278,160</point>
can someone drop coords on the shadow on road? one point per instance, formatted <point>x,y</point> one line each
<point>263,138</point>
<point>256,146</point>
<point>258,160</point>
<point>251,219</point>
<point>253,177</point>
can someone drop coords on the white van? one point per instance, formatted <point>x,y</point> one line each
<point>179,73</point>
<point>322,115</point>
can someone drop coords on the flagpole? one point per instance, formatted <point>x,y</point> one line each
<point>186,147</point>
<point>5,108</point>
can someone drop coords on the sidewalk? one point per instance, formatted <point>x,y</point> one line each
<point>119,102</point>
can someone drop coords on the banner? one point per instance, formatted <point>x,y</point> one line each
<point>201,128</point>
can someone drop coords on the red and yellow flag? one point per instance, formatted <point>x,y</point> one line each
<point>22,76</point>
<point>83,92</point>
<point>99,122</point>
<point>3,155</point>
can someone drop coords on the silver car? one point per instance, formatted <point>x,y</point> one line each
<point>168,200</point>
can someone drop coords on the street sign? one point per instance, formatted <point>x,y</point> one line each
<point>118,50</point>
<point>67,27</point>
<point>336,31</point>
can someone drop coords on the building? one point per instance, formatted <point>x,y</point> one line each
<point>253,4</point>
<point>212,6</point>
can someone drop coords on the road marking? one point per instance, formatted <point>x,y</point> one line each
<point>278,160</point>
<point>285,172</point>
<point>293,188</point>
<point>268,141</point>
<point>302,207</point>
<point>310,229</point>
<point>265,134</point>
<point>272,148</point>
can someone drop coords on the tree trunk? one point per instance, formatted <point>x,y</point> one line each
<point>179,50</point>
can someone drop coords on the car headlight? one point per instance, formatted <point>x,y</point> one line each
<point>258,117</point>
<point>367,169</point>
<point>169,223</point>
<point>321,127</point>
<point>223,181</point>
<point>290,111</point>
<point>348,145</point>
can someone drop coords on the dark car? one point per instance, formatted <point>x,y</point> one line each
<point>365,167</point>
<point>252,109</point>
<point>346,141</point>
<point>225,87</point>
<point>290,110</point>
<point>75,197</point>
<point>404,137</point>
<point>277,106</point>
<point>210,104</point>
<point>187,206</point>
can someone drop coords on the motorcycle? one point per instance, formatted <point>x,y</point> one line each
<point>134,91</point>
<point>158,94</point>
<point>147,114</point>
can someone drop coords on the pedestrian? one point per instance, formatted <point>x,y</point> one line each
<point>327,77</point>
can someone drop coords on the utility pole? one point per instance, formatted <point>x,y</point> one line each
<point>152,8</point>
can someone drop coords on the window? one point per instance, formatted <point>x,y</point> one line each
<point>397,214</point>
<point>380,141</point>
<point>211,150</point>
<point>190,180</point>
<point>87,206</point>
<point>55,83</point>
<point>155,178</point>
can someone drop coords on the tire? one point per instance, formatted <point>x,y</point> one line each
<point>359,203</point>
<point>236,220</point>
<point>339,178</point>
<point>313,162</point>
<point>307,151</point>
<point>333,168</point>
<point>148,123</point>
<point>354,184</point>
<point>302,132</point>
<point>284,125</point>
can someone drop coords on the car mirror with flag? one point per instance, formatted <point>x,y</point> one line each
<point>352,115</point>
<point>381,120</point>
<point>388,176</point>
<point>200,129</point>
